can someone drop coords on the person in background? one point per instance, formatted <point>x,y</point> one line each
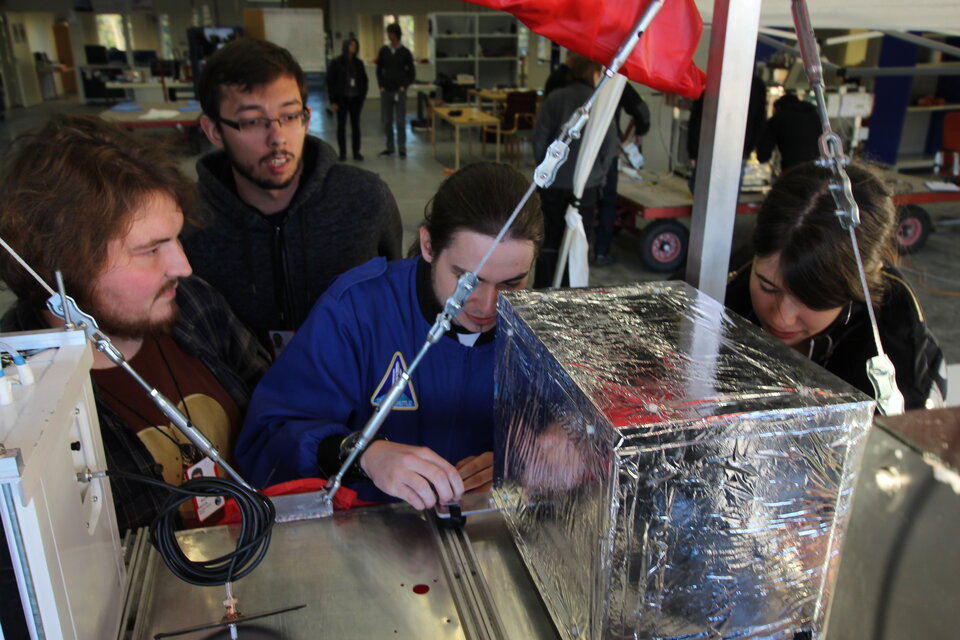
<point>803,286</point>
<point>794,129</point>
<point>278,217</point>
<point>554,113</point>
<point>756,117</point>
<point>634,105</point>
<point>347,90</point>
<point>360,337</point>
<point>561,76</point>
<point>395,72</point>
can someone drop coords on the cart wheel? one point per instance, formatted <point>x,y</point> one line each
<point>663,246</point>
<point>913,228</point>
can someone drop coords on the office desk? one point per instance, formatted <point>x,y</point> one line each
<point>149,91</point>
<point>468,117</point>
<point>495,97</point>
<point>157,115</point>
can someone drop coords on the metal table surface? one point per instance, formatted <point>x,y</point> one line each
<point>356,572</point>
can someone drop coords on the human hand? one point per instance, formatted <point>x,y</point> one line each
<point>477,472</point>
<point>556,461</point>
<point>334,106</point>
<point>416,475</point>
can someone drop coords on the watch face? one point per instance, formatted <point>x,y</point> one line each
<point>346,446</point>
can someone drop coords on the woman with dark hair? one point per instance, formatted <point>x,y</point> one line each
<point>347,89</point>
<point>363,332</point>
<point>803,286</point>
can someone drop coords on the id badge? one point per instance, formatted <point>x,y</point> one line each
<point>279,340</point>
<point>208,505</point>
<point>353,82</point>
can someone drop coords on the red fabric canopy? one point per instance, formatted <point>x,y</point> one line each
<point>662,60</point>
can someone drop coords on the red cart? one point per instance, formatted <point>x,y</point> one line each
<point>663,201</point>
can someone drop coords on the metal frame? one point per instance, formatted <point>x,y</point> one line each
<point>729,74</point>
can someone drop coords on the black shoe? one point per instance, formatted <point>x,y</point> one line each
<point>357,156</point>
<point>605,260</point>
<point>343,157</point>
<point>386,153</point>
<point>403,154</point>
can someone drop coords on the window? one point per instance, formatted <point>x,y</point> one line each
<point>407,28</point>
<point>110,31</point>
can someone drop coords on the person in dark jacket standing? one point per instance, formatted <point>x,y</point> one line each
<point>561,76</point>
<point>803,286</point>
<point>347,89</point>
<point>633,104</point>
<point>756,117</point>
<point>281,216</point>
<point>395,72</point>
<point>554,113</point>
<point>794,129</point>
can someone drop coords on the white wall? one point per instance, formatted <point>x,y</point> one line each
<point>39,27</point>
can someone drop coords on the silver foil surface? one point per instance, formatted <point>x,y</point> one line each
<point>666,469</point>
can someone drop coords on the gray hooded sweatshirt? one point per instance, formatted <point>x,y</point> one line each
<point>273,268</point>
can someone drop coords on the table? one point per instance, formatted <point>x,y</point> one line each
<point>156,115</point>
<point>497,97</point>
<point>465,117</point>
<point>149,91</point>
<point>376,572</point>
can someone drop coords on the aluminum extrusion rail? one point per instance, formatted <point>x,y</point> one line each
<point>479,617</point>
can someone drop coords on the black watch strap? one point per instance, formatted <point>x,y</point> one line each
<point>333,452</point>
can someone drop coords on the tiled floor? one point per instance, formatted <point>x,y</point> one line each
<point>934,270</point>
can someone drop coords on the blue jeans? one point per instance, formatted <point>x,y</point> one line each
<point>393,109</point>
<point>608,211</point>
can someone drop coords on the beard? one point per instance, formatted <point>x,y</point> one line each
<point>116,325</point>
<point>247,171</point>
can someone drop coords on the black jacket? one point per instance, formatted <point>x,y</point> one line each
<point>634,105</point>
<point>795,129</point>
<point>845,346</point>
<point>340,71</point>
<point>395,68</point>
<point>558,78</point>
<point>756,117</point>
<point>272,268</point>
<point>554,113</point>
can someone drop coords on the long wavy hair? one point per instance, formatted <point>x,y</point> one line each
<point>68,190</point>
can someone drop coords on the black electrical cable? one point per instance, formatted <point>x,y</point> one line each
<point>257,515</point>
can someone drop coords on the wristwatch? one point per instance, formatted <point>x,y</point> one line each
<point>347,445</point>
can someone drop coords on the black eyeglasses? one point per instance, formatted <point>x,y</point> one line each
<point>248,125</point>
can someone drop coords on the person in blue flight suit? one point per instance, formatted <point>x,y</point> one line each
<point>363,333</point>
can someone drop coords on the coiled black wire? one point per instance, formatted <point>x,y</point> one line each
<point>257,515</point>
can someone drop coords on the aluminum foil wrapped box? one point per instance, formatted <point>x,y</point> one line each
<point>666,469</point>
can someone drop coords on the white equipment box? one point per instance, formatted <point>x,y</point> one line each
<point>61,531</point>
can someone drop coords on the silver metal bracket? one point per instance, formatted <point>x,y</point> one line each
<point>883,377</point>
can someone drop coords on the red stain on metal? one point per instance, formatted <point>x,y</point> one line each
<point>420,589</point>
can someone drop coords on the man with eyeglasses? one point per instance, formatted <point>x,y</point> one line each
<point>282,216</point>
